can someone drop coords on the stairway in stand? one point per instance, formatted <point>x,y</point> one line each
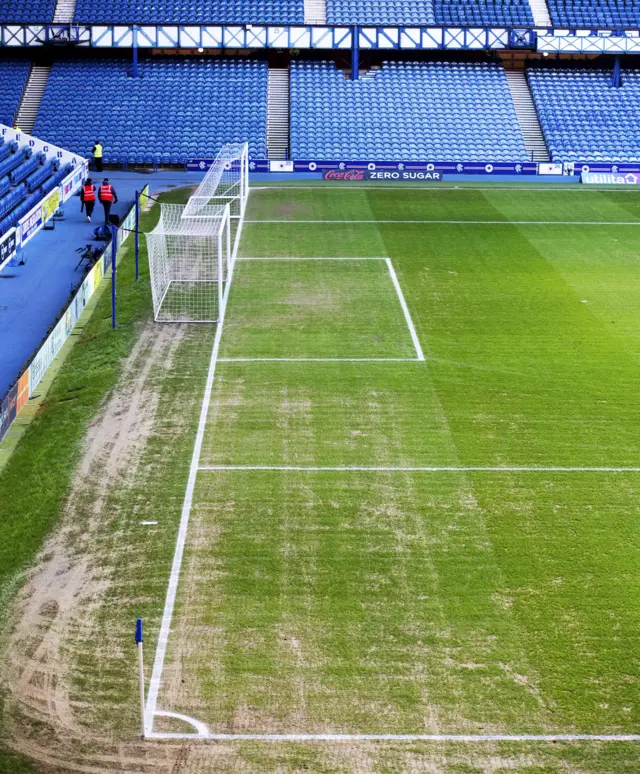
<point>540,13</point>
<point>64,12</point>
<point>32,97</point>
<point>527,116</point>
<point>315,11</point>
<point>278,114</point>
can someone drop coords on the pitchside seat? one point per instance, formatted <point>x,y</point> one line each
<point>30,178</point>
<point>427,111</point>
<point>584,117</point>
<point>178,108</point>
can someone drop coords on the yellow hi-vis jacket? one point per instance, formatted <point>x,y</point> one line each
<point>97,151</point>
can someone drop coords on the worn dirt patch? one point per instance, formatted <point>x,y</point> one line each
<point>70,578</point>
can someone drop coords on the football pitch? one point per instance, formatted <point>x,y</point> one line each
<point>412,509</point>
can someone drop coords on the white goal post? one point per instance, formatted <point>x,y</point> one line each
<point>192,246</point>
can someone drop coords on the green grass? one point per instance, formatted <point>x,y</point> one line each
<point>407,602</point>
<point>381,602</point>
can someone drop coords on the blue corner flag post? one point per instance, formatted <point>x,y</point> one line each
<point>141,670</point>
<point>114,253</point>
<point>137,236</point>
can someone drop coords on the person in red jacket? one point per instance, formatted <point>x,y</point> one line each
<point>108,196</point>
<point>88,197</point>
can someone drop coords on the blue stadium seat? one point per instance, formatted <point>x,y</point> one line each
<point>608,14</point>
<point>178,108</point>
<point>408,111</point>
<point>13,77</point>
<point>430,12</point>
<point>584,117</point>
<point>24,180</point>
<point>27,11</point>
<point>190,11</point>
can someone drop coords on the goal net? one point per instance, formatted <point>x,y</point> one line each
<point>192,247</point>
<point>189,261</point>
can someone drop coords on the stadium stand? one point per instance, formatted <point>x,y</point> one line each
<point>177,108</point>
<point>190,12</point>
<point>380,12</point>
<point>429,12</point>
<point>486,13</point>
<point>584,117</point>
<point>439,111</point>
<point>24,180</point>
<point>26,11</point>
<point>595,13</point>
<point>13,77</point>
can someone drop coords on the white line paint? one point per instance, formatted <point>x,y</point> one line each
<point>470,222</point>
<point>564,188</point>
<point>172,588</point>
<point>311,258</point>
<point>200,727</point>
<point>438,738</point>
<point>318,360</point>
<point>405,309</point>
<point>148,523</point>
<point>426,469</point>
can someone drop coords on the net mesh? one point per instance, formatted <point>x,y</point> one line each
<point>190,249</point>
<point>188,265</point>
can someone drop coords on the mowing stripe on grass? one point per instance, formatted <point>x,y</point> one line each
<point>172,588</point>
<point>426,469</point>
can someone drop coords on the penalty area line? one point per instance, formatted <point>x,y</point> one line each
<point>311,258</point>
<point>318,360</point>
<point>405,310</point>
<point>423,469</point>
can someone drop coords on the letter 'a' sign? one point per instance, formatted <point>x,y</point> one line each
<point>355,175</point>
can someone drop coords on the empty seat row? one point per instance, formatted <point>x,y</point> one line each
<point>595,13</point>
<point>586,118</point>
<point>13,77</point>
<point>408,111</point>
<point>176,109</point>
<point>191,11</point>
<point>18,196</point>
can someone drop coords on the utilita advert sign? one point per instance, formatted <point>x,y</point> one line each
<point>355,175</point>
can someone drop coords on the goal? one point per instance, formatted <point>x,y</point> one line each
<point>192,247</point>
<point>189,262</point>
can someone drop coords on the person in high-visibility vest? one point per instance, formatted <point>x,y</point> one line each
<point>88,197</point>
<point>108,196</point>
<point>97,155</point>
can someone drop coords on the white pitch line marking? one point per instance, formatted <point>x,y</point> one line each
<point>402,737</point>
<point>424,469</point>
<point>471,222</point>
<point>172,588</point>
<point>148,523</point>
<point>311,258</point>
<point>562,188</point>
<point>405,309</point>
<point>318,360</point>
